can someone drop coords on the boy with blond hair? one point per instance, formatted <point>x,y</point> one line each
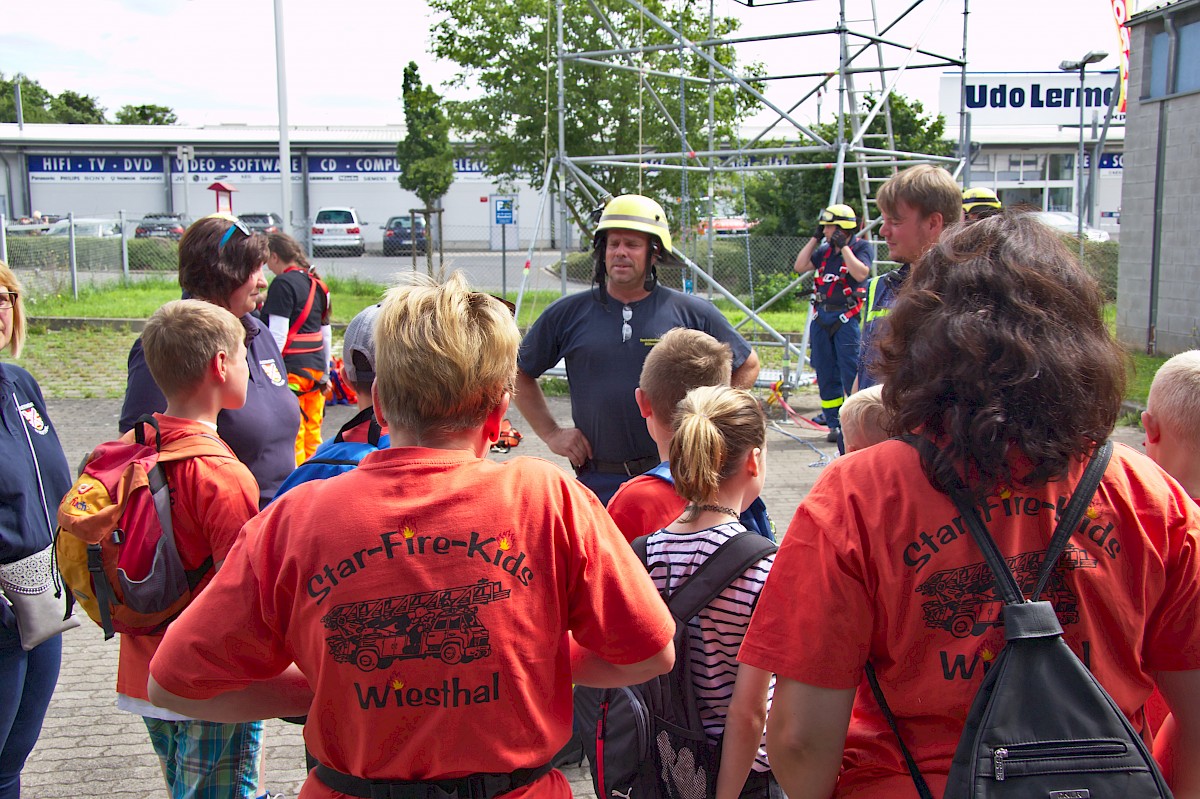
<point>865,419</point>
<point>196,352</point>
<point>682,360</point>
<point>1172,420</point>
<point>414,608</point>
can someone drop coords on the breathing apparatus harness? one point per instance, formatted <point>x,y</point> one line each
<point>832,288</point>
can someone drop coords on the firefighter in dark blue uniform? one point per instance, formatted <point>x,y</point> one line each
<point>841,264</point>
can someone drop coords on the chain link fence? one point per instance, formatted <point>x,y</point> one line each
<point>74,251</point>
<point>754,268</point>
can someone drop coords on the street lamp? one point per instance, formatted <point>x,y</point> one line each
<point>1080,66</point>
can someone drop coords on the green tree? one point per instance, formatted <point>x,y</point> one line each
<point>73,108</point>
<point>788,202</point>
<point>146,115</point>
<point>425,155</point>
<point>35,100</point>
<point>506,54</point>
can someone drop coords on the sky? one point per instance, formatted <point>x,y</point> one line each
<point>213,61</point>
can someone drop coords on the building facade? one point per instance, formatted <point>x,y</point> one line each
<point>1024,133</point>
<point>1158,290</point>
<point>101,170</point>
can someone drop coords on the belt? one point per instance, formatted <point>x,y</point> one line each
<point>829,306</point>
<point>473,786</point>
<point>631,468</point>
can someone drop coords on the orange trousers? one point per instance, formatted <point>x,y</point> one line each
<point>312,411</point>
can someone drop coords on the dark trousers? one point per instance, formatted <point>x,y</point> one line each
<point>603,485</point>
<point>27,681</point>
<point>834,359</point>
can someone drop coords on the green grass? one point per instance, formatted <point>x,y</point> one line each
<point>133,299</point>
<point>1142,372</point>
<point>138,299</point>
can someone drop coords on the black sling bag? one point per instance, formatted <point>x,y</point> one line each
<point>1040,726</point>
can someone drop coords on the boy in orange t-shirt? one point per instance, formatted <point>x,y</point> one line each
<point>683,359</point>
<point>196,352</point>
<point>1172,424</point>
<point>439,608</point>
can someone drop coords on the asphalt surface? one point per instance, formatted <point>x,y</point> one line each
<point>486,271</point>
<point>90,749</point>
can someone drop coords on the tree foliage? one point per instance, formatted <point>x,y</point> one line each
<point>425,156</point>
<point>788,202</point>
<point>146,115</point>
<point>35,100</point>
<point>40,106</point>
<point>73,108</point>
<point>507,56</point>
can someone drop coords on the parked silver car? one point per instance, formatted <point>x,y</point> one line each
<point>1067,222</point>
<point>86,228</point>
<point>338,229</point>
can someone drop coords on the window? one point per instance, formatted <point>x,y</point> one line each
<point>1159,47</point>
<point>1180,53</point>
<point>1062,166</point>
<point>1026,166</point>
<point>1187,59</point>
<point>1061,199</point>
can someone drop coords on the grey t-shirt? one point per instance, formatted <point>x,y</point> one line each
<point>603,371</point>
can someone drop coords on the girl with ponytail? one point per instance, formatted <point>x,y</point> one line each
<point>718,463</point>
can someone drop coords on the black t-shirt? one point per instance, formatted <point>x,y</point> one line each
<point>286,297</point>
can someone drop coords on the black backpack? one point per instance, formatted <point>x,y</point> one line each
<point>1040,725</point>
<point>647,740</point>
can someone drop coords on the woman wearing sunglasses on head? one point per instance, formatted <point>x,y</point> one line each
<point>34,478</point>
<point>221,261</point>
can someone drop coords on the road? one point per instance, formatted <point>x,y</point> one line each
<point>486,271</point>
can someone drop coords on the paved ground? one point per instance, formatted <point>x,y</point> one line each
<point>89,749</point>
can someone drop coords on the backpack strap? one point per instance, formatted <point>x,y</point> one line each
<point>294,330</point>
<point>917,778</point>
<point>194,446</point>
<point>715,574</point>
<point>308,304</point>
<point>1088,483</point>
<point>1006,584</point>
<point>189,446</point>
<point>374,431</point>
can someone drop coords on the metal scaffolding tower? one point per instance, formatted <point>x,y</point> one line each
<point>866,50</point>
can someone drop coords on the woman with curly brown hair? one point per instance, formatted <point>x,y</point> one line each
<point>221,261</point>
<point>999,362</point>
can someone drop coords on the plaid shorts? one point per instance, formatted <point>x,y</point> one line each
<point>207,760</point>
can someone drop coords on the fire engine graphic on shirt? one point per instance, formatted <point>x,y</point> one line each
<point>964,600</point>
<point>443,624</point>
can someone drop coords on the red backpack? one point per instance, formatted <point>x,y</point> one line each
<point>115,543</point>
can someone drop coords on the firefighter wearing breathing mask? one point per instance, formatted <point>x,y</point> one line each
<point>841,263</point>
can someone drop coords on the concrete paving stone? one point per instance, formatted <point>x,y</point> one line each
<point>88,748</point>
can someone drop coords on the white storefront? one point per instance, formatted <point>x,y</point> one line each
<point>100,170</point>
<point>1024,128</point>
